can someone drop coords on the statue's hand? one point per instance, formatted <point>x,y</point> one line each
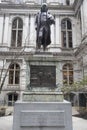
<point>51,21</point>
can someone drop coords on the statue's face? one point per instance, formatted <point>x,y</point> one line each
<point>44,8</point>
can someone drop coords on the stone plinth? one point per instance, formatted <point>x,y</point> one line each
<point>43,96</point>
<point>42,111</point>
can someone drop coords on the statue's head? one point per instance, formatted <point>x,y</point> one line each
<point>44,7</point>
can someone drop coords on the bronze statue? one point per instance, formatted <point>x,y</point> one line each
<point>43,21</point>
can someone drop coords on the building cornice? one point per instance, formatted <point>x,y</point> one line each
<point>24,11</point>
<point>32,6</point>
<point>34,56</point>
<point>24,8</point>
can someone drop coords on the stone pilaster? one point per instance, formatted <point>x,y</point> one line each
<point>32,30</point>
<point>52,34</point>
<point>26,33</point>
<point>1,29</point>
<point>57,29</point>
<point>84,17</point>
<point>5,41</point>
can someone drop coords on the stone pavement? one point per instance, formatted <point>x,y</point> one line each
<point>79,123</point>
<point>6,122</point>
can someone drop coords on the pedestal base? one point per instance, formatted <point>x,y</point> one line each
<point>42,116</point>
<point>42,96</point>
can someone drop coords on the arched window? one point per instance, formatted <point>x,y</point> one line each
<point>67,74</point>
<point>12,98</point>
<point>14,74</point>
<point>66,32</point>
<point>17,29</point>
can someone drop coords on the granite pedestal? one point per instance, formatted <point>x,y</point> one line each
<point>43,114</point>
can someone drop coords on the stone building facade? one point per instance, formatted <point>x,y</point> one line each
<point>18,43</point>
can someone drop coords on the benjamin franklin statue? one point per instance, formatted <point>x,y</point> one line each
<point>42,22</point>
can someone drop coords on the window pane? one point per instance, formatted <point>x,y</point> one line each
<point>64,77</point>
<point>17,77</point>
<point>65,67</point>
<point>19,40</point>
<point>14,74</point>
<point>71,80</point>
<point>70,67</point>
<point>70,73</point>
<point>20,23</point>
<point>67,74</point>
<point>10,97</point>
<point>70,39</point>
<point>63,25</point>
<point>69,26</point>
<point>17,66</point>
<point>14,24</point>
<point>11,75</point>
<point>17,28</point>
<point>15,97</point>
<point>13,40</point>
<point>12,66</point>
<point>66,27</point>
<point>64,38</point>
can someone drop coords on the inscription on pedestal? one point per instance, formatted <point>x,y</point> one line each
<point>42,118</point>
<point>42,76</point>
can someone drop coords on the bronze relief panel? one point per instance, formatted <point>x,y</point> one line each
<point>42,76</point>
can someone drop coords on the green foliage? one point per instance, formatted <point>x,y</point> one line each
<point>76,86</point>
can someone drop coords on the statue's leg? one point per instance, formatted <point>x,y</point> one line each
<point>40,38</point>
<point>45,39</point>
<point>44,47</point>
<point>39,43</point>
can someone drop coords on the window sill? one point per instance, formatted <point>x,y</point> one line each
<point>13,84</point>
